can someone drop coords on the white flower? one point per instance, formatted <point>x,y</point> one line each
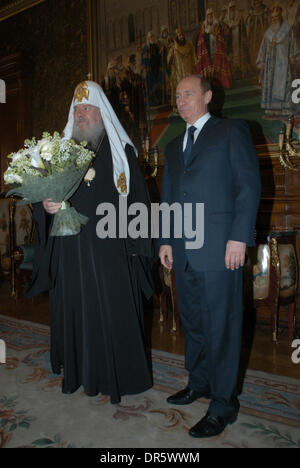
<point>16,157</point>
<point>46,151</point>
<point>11,178</point>
<point>36,160</point>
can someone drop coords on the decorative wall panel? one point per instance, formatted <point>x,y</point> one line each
<point>53,37</point>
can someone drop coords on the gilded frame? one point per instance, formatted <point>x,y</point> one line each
<point>94,39</point>
<point>17,7</point>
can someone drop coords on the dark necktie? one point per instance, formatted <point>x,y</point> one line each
<point>189,144</point>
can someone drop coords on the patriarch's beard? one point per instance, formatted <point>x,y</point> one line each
<point>91,135</point>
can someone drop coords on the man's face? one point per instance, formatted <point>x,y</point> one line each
<point>180,38</point>
<point>191,101</point>
<point>276,17</point>
<point>165,33</point>
<point>180,35</point>
<point>88,123</point>
<point>210,18</point>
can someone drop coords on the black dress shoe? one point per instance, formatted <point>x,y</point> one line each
<point>210,426</point>
<point>185,396</point>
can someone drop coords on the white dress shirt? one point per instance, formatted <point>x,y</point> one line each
<point>199,125</point>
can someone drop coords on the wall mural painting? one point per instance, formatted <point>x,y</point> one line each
<point>250,49</point>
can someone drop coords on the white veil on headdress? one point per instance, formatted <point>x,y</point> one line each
<point>89,92</point>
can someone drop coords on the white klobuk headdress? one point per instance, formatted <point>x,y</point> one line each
<point>89,92</point>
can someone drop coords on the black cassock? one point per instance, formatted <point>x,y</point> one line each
<point>95,289</point>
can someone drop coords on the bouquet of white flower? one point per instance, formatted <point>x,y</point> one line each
<point>50,168</point>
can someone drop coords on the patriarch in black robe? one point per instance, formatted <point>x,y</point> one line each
<point>95,284</point>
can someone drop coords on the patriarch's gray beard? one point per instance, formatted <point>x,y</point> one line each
<point>91,136</point>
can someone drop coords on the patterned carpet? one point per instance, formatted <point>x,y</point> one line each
<point>35,413</point>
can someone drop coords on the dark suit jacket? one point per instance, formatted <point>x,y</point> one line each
<point>222,172</point>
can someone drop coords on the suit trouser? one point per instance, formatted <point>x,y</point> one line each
<point>211,311</point>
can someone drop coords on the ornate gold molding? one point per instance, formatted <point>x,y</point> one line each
<point>17,7</point>
<point>95,9</point>
<point>275,257</point>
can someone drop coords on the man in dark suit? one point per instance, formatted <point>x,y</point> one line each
<point>215,163</point>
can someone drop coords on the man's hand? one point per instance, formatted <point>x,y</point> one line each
<point>235,254</point>
<point>50,206</point>
<point>166,256</point>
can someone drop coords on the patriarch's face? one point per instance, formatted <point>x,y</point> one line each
<point>88,123</point>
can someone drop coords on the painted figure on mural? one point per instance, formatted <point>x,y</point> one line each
<point>120,69</point>
<point>111,86</point>
<point>211,52</point>
<point>126,117</point>
<point>296,30</point>
<point>124,88</point>
<point>277,55</point>
<point>239,57</point>
<point>173,14</point>
<point>257,23</point>
<point>225,29</point>
<point>164,42</point>
<point>182,61</point>
<point>289,10</point>
<point>138,60</point>
<point>207,45</point>
<point>152,72</point>
<point>293,19</point>
<point>133,86</point>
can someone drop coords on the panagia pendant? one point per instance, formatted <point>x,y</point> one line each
<point>89,176</point>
